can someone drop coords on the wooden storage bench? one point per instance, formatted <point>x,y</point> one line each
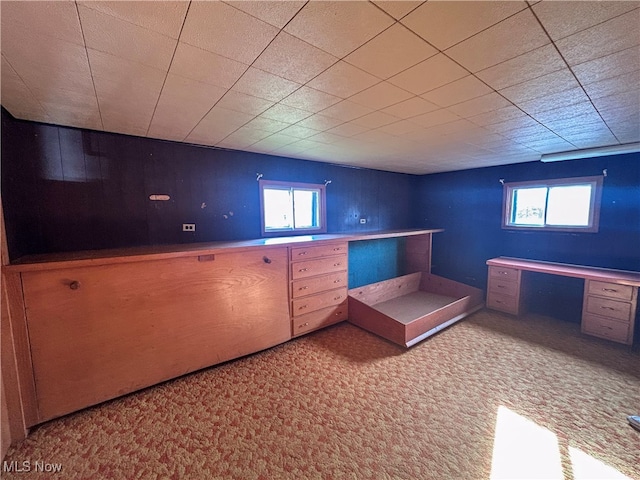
<point>410,308</point>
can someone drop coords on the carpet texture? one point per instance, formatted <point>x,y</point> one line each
<point>345,404</point>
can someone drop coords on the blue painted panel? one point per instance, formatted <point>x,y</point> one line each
<point>372,261</point>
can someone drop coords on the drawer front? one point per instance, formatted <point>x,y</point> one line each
<point>320,266</point>
<point>319,319</point>
<point>303,253</point>
<point>504,287</point>
<point>310,286</point>
<point>609,308</point>
<point>606,328</point>
<point>612,290</point>
<point>510,274</point>
<point>504,303</point>
<point>312,303</point>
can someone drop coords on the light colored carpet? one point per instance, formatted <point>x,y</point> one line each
<point>344,404</point>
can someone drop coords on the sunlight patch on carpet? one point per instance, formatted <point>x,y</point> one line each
<point>585,467</point>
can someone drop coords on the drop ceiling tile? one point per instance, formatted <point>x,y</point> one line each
<point>346,111</point>
<point>428,75</point>
<point>458,91</point>
<point>264,85</point>
<point>476,106</point>
<point>216,125</point>
<point>125,118</point>
<point>514,36</point>
<point>343,80</point>
<point>375,120</point>
<point>348,129</point>
<point>293,59</point>
<point>411,108</point>
<point>227,31</point>
<point>277,13</point>
<point>120,38</point>
<point>326,137</point>
<point>436,117</point>
<point>619,63</point>
<point>299,131</point>
<point>203,66</point>
<point>541,87</point>
<point>58,20</point>
<point>585,111</point>
<point>338,27</point>
<point>183,103</point>
<point>319,122</point>
<point>517,123</point>
<point>241,102</point>
<point>528,66</point>
<point>505,114</point>
<point>444,24</point>
<point>401,127</point>
<point>562,19</point>
<point>380,96</point>
<point>267,124</point>
<point>286,114</point>
<point>554,101</point>
<point>16,96</point>
<point>609,37</point>
<point>306,98</point>
<point>45,51</point>
<point>164,17</point>
<point>391,52</point>
<point>614,85</point>
<point>121,81</point>
<point>397,8</point>
<point>242,138</point>
<point>274,141</point>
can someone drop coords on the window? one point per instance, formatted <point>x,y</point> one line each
<point>566,204</point>
<point>292,208</point>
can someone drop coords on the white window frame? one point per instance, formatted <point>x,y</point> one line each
<point>322,213</point>
<point>594,206</point>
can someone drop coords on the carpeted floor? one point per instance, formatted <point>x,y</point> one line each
<point>489,396</point>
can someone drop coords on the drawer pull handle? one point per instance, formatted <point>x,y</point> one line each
<point>606,326</point>
<point>303,269</point>
<point>503,273</point>
<point>266,259</point>
<point>338,297</point>
<point>608,308</point>
<point>302,253</point>
<point>336,281</point>
<point>305,324</point>
<point>302,307</point>
<point>337,264</point>
<point>75,285</point>
<point>337,249</point>
<point>501,286</point>
<point>303,288</point>
<point>609,290</point>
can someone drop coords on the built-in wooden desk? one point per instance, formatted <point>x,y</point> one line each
<point>610,296</point>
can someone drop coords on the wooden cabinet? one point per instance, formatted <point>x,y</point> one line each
<point>503,291</point>
<point>318,286</point>
<point>608,310</point>
<point>97,332</point>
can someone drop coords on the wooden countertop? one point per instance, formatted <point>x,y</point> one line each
<point>622,277</point>
<point>160,252</point>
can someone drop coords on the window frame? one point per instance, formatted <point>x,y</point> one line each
<point>322,204</point>
<point>594,204</point>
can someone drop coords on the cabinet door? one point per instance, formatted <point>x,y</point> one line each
<point>100,332</point>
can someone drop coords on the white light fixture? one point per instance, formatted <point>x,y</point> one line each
<point>591,152</point>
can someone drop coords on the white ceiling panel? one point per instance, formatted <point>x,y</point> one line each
<point>407,86</point>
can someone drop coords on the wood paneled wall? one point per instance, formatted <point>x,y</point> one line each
<point>67,189</point>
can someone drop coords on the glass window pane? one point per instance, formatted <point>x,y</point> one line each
<point>278,208</point>
<point>569,205</point>
<point>306,208</point>
<point>529,206</point>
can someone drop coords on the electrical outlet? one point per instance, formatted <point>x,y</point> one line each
<point>188,227</point>
<point>363,220</point>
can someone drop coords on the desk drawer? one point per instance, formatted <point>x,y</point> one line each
<point>320,266</point>
<point>319,319</point>
<point>606,328</point>
<point>504,303</point>
<point>612,290</point>
<point>301,306</point>
<point>609,308</point>
<point>503,287</point>
<point>303,253</point>
<point>510,274</point>
<point>310,286</point>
